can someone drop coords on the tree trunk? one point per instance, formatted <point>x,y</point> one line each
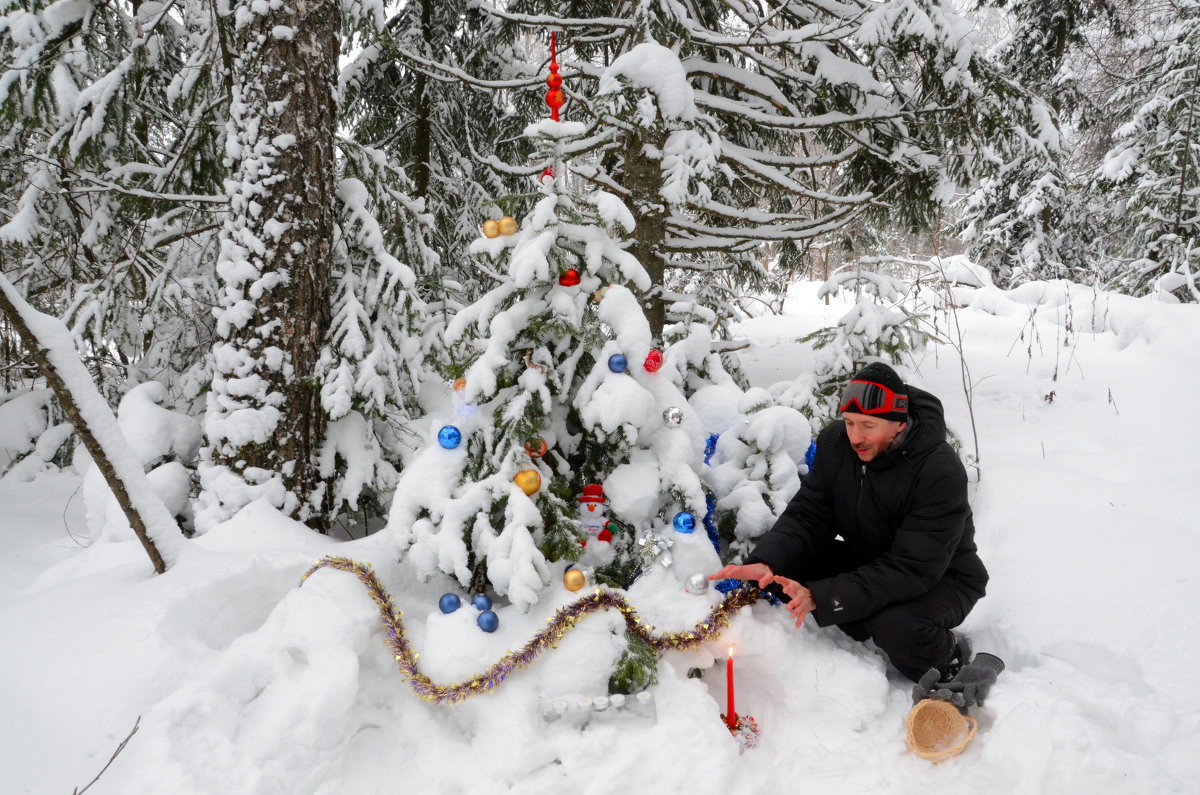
<point>265,419</point>
<point>422,166</point>
<point>39,351</point>
<point>643,178</point>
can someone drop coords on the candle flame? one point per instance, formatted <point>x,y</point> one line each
<point>731,651</point>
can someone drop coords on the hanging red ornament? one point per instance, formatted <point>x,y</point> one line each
<point>654,361</point>
<point>536,448</point>
<point>555,98</point>
<point>570,278</point>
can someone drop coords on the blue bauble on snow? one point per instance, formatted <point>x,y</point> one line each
<point>684,522</point>
<point>449,437</point>
<point>618,363</point>
<point>482,601</point>
<point>488,621</point>
<point>449,603</point>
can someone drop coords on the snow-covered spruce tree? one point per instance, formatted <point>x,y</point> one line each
<point>724,126</point>
<point>110,172</point>
<point>1155,163</point>
<point>264,421</point>
<point>758,467</point>
<point>407,94</point>
<point>878,328</point>
<point>1031,216</point>
<point>558,397</point>
<point>381,337</point>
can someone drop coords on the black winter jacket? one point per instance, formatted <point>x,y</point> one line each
<point>903,516</point>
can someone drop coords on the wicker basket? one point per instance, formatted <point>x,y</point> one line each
<point>936,730</point>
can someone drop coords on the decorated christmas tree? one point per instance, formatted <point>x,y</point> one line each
<point>569,435</point>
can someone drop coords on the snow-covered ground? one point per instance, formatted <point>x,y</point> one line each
<point>247,683</point>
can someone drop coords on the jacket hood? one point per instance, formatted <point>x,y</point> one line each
<point>926,428</point>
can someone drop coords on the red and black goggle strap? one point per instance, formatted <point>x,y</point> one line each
<point>872,398</point>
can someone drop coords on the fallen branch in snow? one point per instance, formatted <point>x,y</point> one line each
<point>50,345</point>
<point>112,759</point>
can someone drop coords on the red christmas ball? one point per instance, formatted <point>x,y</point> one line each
<point>569,278</point>
<point>555,98</point>
<point>654,361</point>
<point>554,80</point>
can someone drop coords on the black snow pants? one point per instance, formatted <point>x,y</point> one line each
<point>915,634</point>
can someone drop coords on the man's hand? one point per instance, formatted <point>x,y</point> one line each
<point>756,572</point>
<point>802,602</point>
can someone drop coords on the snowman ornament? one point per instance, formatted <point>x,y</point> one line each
<point>593,517</point>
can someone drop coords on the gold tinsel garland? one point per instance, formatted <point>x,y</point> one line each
<point>557,626</point>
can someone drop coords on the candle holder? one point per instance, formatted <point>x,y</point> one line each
<point>744,729</point>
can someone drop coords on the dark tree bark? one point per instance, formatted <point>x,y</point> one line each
<point>277,246</point>
<point>644,180</point>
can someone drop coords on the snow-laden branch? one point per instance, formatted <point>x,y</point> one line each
<point>559,23</point>
<point>53,349</point>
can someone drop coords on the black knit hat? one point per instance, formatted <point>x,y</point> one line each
<point>864,395</point>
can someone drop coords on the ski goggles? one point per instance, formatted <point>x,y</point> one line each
<point>872,398</point>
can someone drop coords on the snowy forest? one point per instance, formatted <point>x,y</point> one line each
<point>280,224</point>
<point>464,281</point>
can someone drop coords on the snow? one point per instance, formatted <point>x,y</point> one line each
<point>246,682</point>
<point>657,69</point>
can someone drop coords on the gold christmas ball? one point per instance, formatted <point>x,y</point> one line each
<point>529,481</point>
<point>508,225</point>
<point>491,228</point>
<point>574,579</point>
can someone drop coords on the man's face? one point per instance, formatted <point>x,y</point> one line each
<point>870,436</point>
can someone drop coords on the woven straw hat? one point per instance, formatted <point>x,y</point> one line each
<point>936,730</point>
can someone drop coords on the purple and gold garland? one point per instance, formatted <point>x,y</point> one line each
<point>557,626</point>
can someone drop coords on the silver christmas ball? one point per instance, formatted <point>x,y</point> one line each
<point>673,415</point>
<point>697,583</point>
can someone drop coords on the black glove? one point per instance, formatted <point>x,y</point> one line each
<point>969,686</point>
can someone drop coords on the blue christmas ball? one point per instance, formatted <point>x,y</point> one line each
<point>618,363</point>
<point>488,621</point>
<point>482,601</point>
<point>449,602</point>
<point>449,437</point>
<point>684,522</point>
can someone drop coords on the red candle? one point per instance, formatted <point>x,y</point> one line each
<point>730,713</point>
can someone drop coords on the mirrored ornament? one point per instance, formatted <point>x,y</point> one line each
<point>684,522</point>
<point>488,621</point>
<point>673,415</point>
<point>697,584</point>
<point>529,481</point>
<point>449,437</point>
<point>449,603</point>
<point>652,549</point>
<point>574,579</point>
